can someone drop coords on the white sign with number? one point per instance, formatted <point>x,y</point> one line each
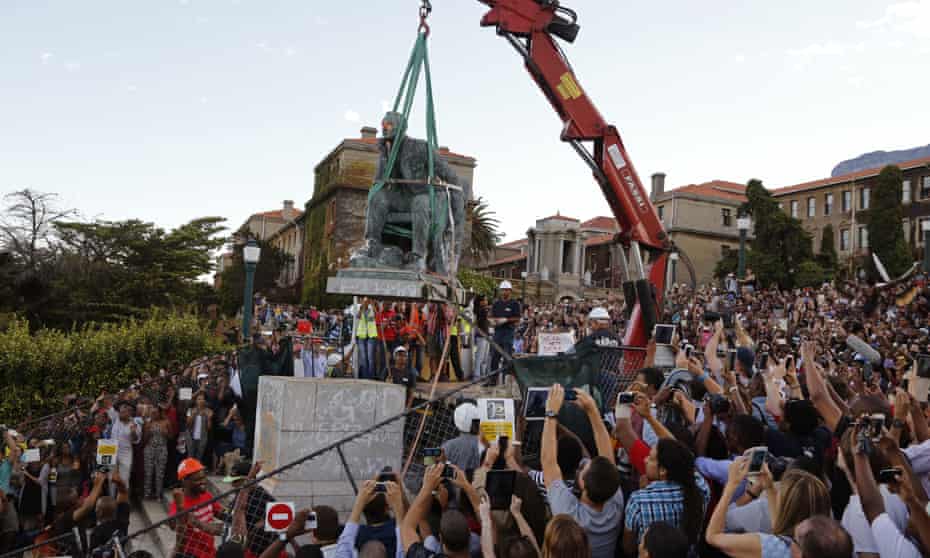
<point>554,343</point>
<point>106,452</point>
<point>186,394</point>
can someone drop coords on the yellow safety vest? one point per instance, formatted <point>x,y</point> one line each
<point>466,327</point>
<point>367,327</point>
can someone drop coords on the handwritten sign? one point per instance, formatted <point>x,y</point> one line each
<point>554,343</point>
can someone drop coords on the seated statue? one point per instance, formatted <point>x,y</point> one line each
<point>406,193</point>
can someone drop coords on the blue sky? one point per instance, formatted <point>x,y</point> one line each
<point>168,110</point>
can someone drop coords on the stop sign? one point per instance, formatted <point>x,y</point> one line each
<point>278,516</point>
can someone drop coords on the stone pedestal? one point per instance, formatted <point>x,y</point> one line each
<point>394,284</point>
<point>297,416</point>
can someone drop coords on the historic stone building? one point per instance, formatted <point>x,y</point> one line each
<point>843,202</point>
<point>335,215</point>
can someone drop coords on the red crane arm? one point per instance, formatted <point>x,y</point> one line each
<point>529,25</point>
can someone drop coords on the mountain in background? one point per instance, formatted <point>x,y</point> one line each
<point>880,159</point>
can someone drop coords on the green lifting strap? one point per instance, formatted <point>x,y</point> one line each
<point>419,60</point>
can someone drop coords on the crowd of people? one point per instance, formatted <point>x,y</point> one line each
<point>770,423</point>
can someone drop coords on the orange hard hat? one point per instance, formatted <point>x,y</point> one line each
<point>188,467</point>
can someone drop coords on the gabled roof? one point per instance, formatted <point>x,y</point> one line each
<point>513,243</point>
<point>720,189</point>
<point>603,223</point>
<point>508,259</point>
<point>559,218</point>
<point>867,173</point>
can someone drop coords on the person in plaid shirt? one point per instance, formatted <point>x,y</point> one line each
<point>676,494</point>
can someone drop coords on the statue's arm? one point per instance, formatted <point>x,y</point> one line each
<point>444,171</point>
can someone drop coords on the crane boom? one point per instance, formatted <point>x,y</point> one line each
<point>531,27</point>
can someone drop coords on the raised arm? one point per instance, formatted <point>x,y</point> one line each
<point>605,446</point>
<point>549,450</point>
<point>420,506</point>
<point>817,388</point>
<point>710,351</point>
<point>745,545</point>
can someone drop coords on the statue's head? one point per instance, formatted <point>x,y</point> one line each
<point>391,125</point>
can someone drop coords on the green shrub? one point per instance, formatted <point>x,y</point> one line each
<point>37,370</point>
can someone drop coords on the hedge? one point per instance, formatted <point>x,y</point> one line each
<point>37,370</point>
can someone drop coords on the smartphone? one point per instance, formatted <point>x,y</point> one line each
<point>689,349</point>
<point>448,472</point>
<point>663,334</point>
<point>499,486</point>
<point>626,398</point>
<point>756,459</point>
<point>874,424</point>
<point>386,474</point>
<point>866,371</point>
<point>763,361</point>
<point>731,359</point>
<point>727,320</point>
<point>380,488</point>
<point>923,366</point>
<point>886,476</point>
<point>571,394</point>
<point>311,521</point>
<point>534,407</point>
<point>430,455</point>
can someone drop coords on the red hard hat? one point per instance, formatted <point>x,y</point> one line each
<point>188,467</point>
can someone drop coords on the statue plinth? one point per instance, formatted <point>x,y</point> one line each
<point>395,284</point>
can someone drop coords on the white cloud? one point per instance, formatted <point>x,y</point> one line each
<point>131,88</point>
<point>290,51</point>
<point>46,57</point>
<point>73,67</point>
<point>385,105</point>
<point>739,58</point>
<point>912,16</point>
<point>352,116</point>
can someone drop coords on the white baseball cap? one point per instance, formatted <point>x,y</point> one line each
<point>505,285</point>
<point>400,349</point>
<point>598,313</point>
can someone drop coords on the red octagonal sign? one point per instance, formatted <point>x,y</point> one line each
<point>278,516</point>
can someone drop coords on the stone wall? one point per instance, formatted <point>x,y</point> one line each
<point>297,416</point>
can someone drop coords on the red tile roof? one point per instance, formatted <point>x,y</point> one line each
<point>604,223</point>
<point>374,141</point>
<point>720,189</point>
<point>508,259</point>
<point>847,177</point>
<point>599,239</point>
<point>277,214</point>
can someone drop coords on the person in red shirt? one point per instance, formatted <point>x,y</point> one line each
<point>195,530</point>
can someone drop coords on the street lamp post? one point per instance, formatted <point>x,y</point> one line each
<point>523,290</point>
<point>925,227</point>
<point>250,255</point>
<point>743,224</point>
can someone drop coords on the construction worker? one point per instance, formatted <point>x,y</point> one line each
<point>366,335</point>
<point>196,530</point>
<point>599,322</point>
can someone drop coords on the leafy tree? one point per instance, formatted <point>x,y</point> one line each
<point>780,244</point>
<point>484,233</point>
<point>827,256</point>
<point>810,274</point>
<point>267,273</point>
<point>27,227</point>
<point>727,264</point>
<point>477,282</point>
<point>885,226</point>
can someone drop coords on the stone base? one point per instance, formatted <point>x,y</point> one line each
<point>394,284</point>
<point>298,416</point>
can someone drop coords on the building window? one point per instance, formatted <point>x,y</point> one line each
<point>828,205</point>
<point>864,195</point>
<point>925,187</point>
<point>781,206</point>
<point>847,201</point>
<point>811,207</point>
<point>906,191</point>
<point>727,218</point>
<point>844,240</point>
<point>863,237</point>
<point>794,208</point>
<point>724,250</point>
<point>661,212</point>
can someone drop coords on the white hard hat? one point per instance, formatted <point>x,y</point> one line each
<point>599,313</point>
<point>465,414</point>
<point>333,359</point>
<point>505,285</point>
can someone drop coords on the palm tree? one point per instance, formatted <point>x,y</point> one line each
<point>484,233</point>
